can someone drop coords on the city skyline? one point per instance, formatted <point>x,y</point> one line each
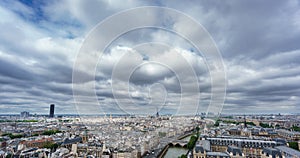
<point>258,42</point>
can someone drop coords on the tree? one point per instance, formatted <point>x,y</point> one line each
<point>217,124</point>
<point>197,129</point>
<point>294,145</point>
<point>50,132</point>
<point>250,123</point>
<point>8,155</point>
<point>13,136</point>
<point>296,128</point>
<point>192,142</point>
<point>264,125</point>
<point>182,156</point>
<point>50,145</point>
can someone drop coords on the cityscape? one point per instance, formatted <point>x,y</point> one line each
<point>149,79</point>
<point>230,136</point>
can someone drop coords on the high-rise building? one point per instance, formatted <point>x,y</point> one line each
<point>24,114</point>
<point>51,114</point>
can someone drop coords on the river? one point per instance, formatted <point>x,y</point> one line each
<point>174,152</point>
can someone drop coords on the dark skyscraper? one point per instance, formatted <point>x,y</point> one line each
<point>51,114</point>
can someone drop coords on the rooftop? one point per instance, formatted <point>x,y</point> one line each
<point>217,154</point>
<point>288,150</point>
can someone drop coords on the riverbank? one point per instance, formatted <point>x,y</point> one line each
<point>186,135</point>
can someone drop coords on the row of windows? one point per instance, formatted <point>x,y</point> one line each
<point>212,156</point>
<point>230,142</point>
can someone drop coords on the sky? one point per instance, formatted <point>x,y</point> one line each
<point>149,69</point>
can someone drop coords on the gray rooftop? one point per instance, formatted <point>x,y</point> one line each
<point>217,154</point>
<point>235,150</point>
<point>272,152</point>
<point>68,141</point>
<point>205,144</point>
<point>288,150</point>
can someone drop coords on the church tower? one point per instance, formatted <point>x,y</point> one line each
<point>245,122</point>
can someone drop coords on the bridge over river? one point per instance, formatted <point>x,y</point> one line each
<point>177,141</point>
<point>180,143</point>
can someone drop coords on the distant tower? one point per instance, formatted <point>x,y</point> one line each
<point>157,114</point>
<point>51,114</point>
<point>110,118</point>
<point>85,136</point>
<point>205,131</point>
<point>245,122</point>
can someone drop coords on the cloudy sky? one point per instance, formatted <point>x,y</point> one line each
<point>149,68</point>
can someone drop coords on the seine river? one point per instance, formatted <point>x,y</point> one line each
<point>174,152</point>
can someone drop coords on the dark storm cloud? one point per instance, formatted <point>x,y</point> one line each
<point>105,94</point>
<point>14,71</point>
<point>252,29</point>
<point>265,27</point>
